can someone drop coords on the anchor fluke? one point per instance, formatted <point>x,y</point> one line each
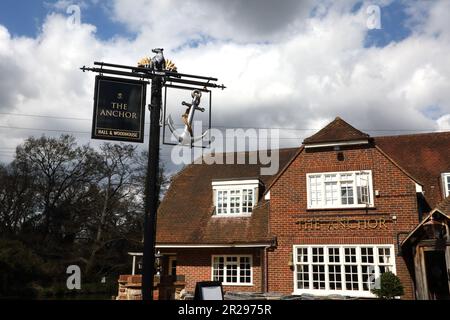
<point>186,137</point>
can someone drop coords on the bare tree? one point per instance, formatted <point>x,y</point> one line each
<point>118,188</point>
<point>62,173</point>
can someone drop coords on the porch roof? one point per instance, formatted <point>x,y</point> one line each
<point>443,209</point>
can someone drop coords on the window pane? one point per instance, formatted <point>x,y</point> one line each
<point>222,202</point>
<point>318,272</point>
<point>362,182</point>
<point>303,276</point>
<point>315,184</point>
<point>350,255</point>
<point>302,255</point>
<point>231,269</point>
<point>245,270</point>
<point>218,269</point>
<point>384,255</point>
<point>384,269</point>
<point>317,255</point>
<point>347,192</point>
<point>367,255</point>
<point>351,277</point>
<point>331,193</point>
<point>334,276</point>
<point>235,201</point>
<point>247,200</point>
<point>333,255</point>
<point>368,277</point>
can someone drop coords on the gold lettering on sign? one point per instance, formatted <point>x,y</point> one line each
<point>343,224</point>
<point>119,106</point>
<point>118,110</point>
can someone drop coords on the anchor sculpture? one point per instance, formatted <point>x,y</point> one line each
<point>187,136</point>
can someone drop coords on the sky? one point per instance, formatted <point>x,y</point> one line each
<point>383,66</point>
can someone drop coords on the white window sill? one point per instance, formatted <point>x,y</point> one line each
<point>237,284</point>
<point>362,206</point>
<point>322,293</point>
<point>229,215</point>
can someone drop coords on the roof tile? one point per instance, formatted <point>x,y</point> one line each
<point>336,131</point>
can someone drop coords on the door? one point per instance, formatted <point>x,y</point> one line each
<point>437,275</point>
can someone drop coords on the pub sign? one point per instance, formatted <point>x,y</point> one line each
<point>119,109</point>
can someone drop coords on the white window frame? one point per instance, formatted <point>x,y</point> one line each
<point>240,186</point>
<point>327,291</point>
<point>446,183</point>
<point>238,256</point>
<point>323,204</point>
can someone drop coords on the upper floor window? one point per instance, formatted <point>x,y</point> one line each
<point>446,183</point>
<point>235,197</point>
<point>339,189</point>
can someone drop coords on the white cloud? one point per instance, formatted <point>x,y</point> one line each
<point>282,68</point>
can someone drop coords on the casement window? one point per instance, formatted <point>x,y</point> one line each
<point>232,270</point>
<point>339,189</point>
<point>235,197</point>
<point>341,269</point>
<point>446,184</point>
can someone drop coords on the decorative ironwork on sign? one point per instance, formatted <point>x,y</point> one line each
<point>158,62</point>
<point>119,109</point>
<point>187,136</point>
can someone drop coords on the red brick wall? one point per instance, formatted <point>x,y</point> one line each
<point>195,265</point>
<point>288,205</point>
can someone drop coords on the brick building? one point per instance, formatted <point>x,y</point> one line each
<point>343,208</point>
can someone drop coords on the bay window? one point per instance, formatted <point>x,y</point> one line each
<point>339,189</point>
<point>341,269</point>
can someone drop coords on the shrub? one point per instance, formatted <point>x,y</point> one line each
<point>390,286</point>
<point>20,268</point>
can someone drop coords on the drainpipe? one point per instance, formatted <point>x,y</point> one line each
<point>266,271</point>
<point>266,264</point>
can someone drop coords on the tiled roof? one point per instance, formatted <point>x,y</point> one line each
<point>336,131</point>
<point>424,156</point>
<point>185,214</point>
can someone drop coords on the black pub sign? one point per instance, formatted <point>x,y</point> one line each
<point>119,109</point>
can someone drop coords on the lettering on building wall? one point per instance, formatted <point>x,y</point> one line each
<point>343,224</point>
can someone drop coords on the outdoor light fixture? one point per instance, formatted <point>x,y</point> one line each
<point>291,262</point>
<point>434,229</point>
<point>158,257</point>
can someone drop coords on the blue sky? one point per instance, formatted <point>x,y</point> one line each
<point>25,18</point>
<point>393,22</point>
